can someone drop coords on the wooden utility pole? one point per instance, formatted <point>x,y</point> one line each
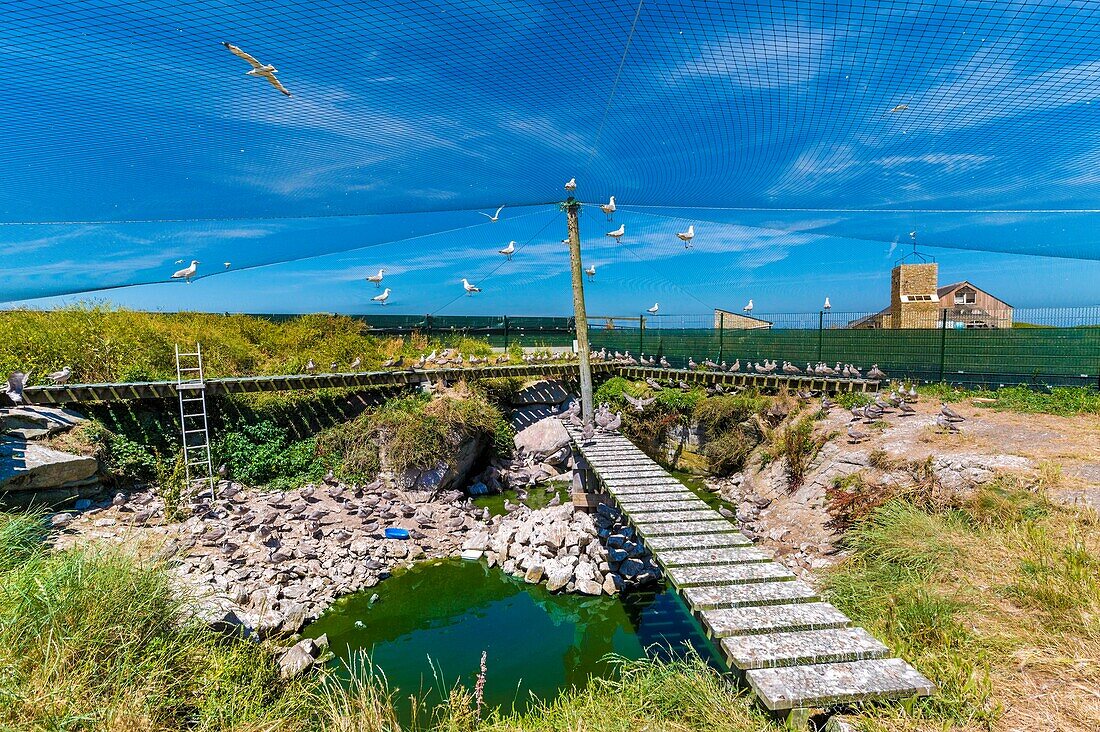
<point>580,317</point>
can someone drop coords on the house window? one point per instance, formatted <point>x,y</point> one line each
<point>919,298</point>
<point>965,296</point>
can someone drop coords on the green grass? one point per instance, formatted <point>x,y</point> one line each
<point>1064,401</point>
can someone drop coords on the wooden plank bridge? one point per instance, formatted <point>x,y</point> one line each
<point>127,391</point>
<point>796,651</point>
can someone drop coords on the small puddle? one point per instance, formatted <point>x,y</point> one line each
<point>430,624</point>
<point>535,497</point>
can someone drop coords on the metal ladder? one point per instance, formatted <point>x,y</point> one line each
<point>197,460</point>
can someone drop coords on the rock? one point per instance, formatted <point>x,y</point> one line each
<point>589,587</point>
<point>543,438</point>
<point>82,504</point>
<point>297,660</point>
<point>534,574</point>
<point>31,472</point>
<point>632,568</point>
<point>61,520</point>
<point>472,555</point>
<point>32,421</point>
<point>612,583</point>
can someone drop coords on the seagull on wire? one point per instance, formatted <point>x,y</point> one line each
<point>509,250</point>
<point>381,299</point>
<point>653,310</point>
<point>591,271</point>
<point>495,217</point>
<point>617,233</point>
<point>828,305</point>
<point>470,289</point>
<point>60,377</point>
<point>187,273</point>
<point>267,71</point>
<point>687,236</point>
<point>571,185</point>
<point>609,208</point>
<point>377,279</point>
<point>748,308</point>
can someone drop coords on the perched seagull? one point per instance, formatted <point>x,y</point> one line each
<point>267,71</point>
<point>950,413</point>
<point>748,308</point>
<point>377,279</point>
<point>470,289</point>
<point>60,377</point>
<point>187,273</point>
<point>856,436</point>
<point>617,233</point>
<point>876,374</point>
<point>509,250</point>
<point>687,236</point>
<point>383,297</point>
<point>947,424</point>
<point>828,305</point>
<point>355,363</point>
<point>653,310</point>
<point>495,217</point>
<point>609,208</point>
<point>311,367</point>
<point>571,185</point>
<point>14,389</point>
<point>900,108</point>
<point>591,271</point>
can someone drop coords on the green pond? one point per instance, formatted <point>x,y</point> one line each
<point>431,623</point>
<point>536,497</point>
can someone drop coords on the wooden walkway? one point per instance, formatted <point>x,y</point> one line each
<point>796,651</point>
<point>77,393</point>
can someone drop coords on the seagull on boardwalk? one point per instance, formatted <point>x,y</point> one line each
<point>748,308</point>
<point>60,377</point>
<point>827,306</point>
<point>571,185</point>
<point>687,236</point>
<point>876,374</point>
<point>267,71</point>
<point>381,299</point>
<point>187,273</point>
<point>470,289</point>
<point>617,233</point>
<point>377,279</point>
<point>495,217</point>
<point>591,272</point>
<point>509,250</point>
<point>653,310</point>
<point>609,208</point>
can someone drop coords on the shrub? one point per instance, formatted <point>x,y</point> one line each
<point>798,445</point>
<point>259,453</point>
<point>722,412</point>
<point>415,431</point>
<point>729,453</point>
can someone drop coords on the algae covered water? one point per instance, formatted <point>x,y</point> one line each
<point>429,626</point>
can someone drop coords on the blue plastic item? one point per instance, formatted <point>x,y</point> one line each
<point>397,533</point>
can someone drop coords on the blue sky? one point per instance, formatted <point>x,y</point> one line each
<point>138,140</point>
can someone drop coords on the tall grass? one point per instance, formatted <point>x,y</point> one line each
<point>1064,401</point>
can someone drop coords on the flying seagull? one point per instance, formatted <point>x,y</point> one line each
<point>381,299</point>
<point>60,377</point>
<point>617,233</point>
<point>376,279</point>
<point>267,71</point>
<point>227,264</point>
<point>687,236</point>
<point>470,289</point>
<point>900,108</point>
<point>653,310</point>
<point>748,308</point>
<point>591,271</point>
<point>828,305</point>
<point>495,217</point>
<point>609,208</point>
<point>187,273</point>
<point>509,250</point>
<point>571,185</point>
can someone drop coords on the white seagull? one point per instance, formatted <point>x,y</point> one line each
<point>470,289</point>
<point>687,236</point>
<point>571,185</point>
<point>509,250</point>
<point>617,233</point>
<point>227,264</point>
<point>495,217</point>
<point>383,297</point>
<point>900,108</point>
<point>267,71</point>
<point>377,279</point>
<point>187,273</point>
<point>653,310</point>
<point>748,308</point>
<point>828,305</point>
<point>60,377</point>
<point>609,208</point>
<point>591,271</point>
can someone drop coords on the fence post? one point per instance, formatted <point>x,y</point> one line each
<point>943,343</point>
<point>505,332</point>
<point>721,336</point>
<point>820,332</point>
<point>428,325</point>
<point>641,335</point>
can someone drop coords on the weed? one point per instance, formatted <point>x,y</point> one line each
<point>797,444</point>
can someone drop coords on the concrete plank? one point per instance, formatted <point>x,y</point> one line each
<point>711,557</point>
<point>728,574</point>
<point>677,528</point>
<point>662,517</point>
<point>801,647</point>
<point>837,683</point>
<point>772,619</point>
<point>704,541</point>
<point>749,595</point>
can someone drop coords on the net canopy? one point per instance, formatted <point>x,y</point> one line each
<point>133,136</point>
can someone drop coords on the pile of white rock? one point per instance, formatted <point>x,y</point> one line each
<point>562,548</point>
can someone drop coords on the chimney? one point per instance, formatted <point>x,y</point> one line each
<point>913,299</point>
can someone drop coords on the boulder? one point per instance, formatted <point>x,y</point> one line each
<point>589,587</point>
<point>298,659</point>
<point>543,438</point>
<point>446,475</point>
<point>32,421</point>
<point>534,575</point>
<point>33,473</point>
